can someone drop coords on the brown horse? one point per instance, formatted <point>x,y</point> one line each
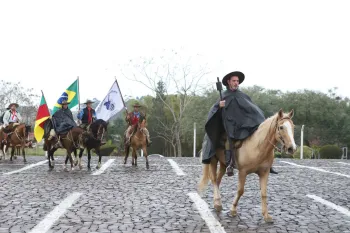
<point>15,138</point>
<point>70,141</point>
<point>137,141</point>
<point>254,155</point>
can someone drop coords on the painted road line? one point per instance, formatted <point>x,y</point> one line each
<point>104,167</point>
<point>176,167</point>
<point>26,167</point>
<point>316,169</point>
<point>344,163</point>
<point>330,204</point>
<point>54,215</point>
<point>213,224</point>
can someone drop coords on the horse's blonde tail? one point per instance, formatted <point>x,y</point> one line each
<point>203,184</point>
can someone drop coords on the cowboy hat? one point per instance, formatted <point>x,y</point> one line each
<point>239,74</point>
<point>89,102</point>
<point>137,105</point>
<point>13,104</point>
<point>65,102</point>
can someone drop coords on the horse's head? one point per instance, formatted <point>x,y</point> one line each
<point>284,133</point>
<point>99,128</point>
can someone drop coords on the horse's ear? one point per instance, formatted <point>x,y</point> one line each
<point>280,113</point>
<point>291,114</point>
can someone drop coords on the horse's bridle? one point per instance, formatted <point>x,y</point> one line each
<point>279,136</point>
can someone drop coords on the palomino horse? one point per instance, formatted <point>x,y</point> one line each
<point>96,131</point>
<point>255,155</point>
<point>137,141</point>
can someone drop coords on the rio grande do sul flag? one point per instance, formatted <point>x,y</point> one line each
<point>42,115</point>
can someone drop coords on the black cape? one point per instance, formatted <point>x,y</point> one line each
<point>238,119</point>
<point>63,121</point>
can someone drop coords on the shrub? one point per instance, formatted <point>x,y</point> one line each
<point>330,152</point>
<point>307,153</point>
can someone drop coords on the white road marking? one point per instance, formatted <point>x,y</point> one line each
<point>330,204</point>
<point>157,154</point>
<point>54,215</point>
<point>317,169</point>
<point>176,167</point>
<point>26,168</point>
<point>344,163</point>
<point>213,224</point>
<point>104,167</point>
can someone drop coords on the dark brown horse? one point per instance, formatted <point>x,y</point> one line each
<point>97,131</point>
<point>137,141</point>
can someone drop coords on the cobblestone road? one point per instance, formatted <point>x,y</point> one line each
<point>313,197</point>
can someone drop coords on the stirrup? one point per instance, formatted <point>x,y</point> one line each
<point>229,170</point>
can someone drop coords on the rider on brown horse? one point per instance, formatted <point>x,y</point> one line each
<point>236,115</point>
<point>87,115</point>
<point>133,118</point>
<point>11,119</point>
<point>63,121</point>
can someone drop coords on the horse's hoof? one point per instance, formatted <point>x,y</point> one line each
<point>98,166</point>
<point>233,212</point>
<point>89,168</point>
<point>25,161</point>
<point>65,169</point>
<point>147,166</point>
<point>81,167</point>
<point>218,207</point>
<point>268,219</point>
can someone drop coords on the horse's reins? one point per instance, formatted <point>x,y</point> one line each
<point>279,135</point>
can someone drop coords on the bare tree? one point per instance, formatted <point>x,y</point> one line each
<point>16,93</point>
<point>180,79</point>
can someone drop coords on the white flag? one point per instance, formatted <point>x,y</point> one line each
<point>111,105</point>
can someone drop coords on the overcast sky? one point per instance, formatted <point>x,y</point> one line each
<point>277,44</point>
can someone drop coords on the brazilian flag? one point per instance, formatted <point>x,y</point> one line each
<point>70,95</point>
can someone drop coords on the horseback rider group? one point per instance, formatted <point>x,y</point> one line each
<point>235,116</point>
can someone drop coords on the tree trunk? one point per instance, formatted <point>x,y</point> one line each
<point>178,144</point>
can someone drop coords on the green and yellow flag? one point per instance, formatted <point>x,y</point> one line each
<point>70,95</point>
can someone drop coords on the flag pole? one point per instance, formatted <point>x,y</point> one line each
<point>116,81</point>
<point>78,94</point>
<point>45,101</point>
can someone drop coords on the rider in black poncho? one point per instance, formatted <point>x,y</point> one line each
<point>236,116</point>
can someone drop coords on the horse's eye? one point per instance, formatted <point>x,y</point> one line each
<point>281,127</point>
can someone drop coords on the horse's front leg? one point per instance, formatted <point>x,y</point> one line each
<point>89,158</point>
<point>81,155</point>
<point>263,178</point>
<point>127,148</point>
<point>241,181</point>
<point>76,161</point>
<point>24,153</point>
<point>12,152</point>
<point>66,161</point>
<point>144,149</point>
<point>213,179</point>
<point>99,158</point>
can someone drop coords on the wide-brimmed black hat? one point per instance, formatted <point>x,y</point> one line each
<point>65,102</point>
<point>89,102</point>
<point>239,74</point>
<point>13,104</point>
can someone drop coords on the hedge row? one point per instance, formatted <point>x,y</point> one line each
<point>326,152</point>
